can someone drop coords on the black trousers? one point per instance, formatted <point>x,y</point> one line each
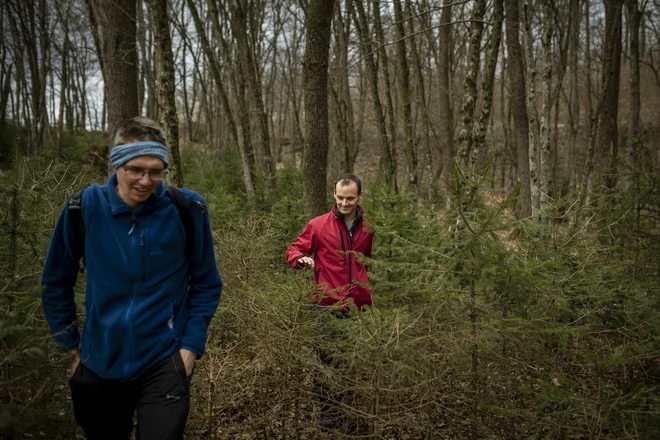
<point>161,397</point>
<point>329,354</point>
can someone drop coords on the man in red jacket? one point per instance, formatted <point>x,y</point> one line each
<point>332,245</point>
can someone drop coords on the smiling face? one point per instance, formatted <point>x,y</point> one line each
<point>347,199</point>
<point>135,191</point>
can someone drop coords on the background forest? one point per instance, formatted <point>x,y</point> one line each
<point>509,153</point>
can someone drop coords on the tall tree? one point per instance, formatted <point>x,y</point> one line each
<point>607,137</point>
<point>532,116</point>
<point>166,85</point>
<point>517,90</point>
<point>573,99</point>
<point>488,81</point>
<point>428,128</point>
<point>634,19</point>
<point>114,29</point>
<point>387,90</point>
<point>315,86</point>
<point>545,177</point>
<point>410,148</point>
<point>247,58</point>
<point>63,14</point>
<point>247,160</point>
<point>602,149</point>
<point>468,107</point>
<point>341,89</point>
<point>445,102</point>
<point>6,69</point>
<point>388,161</point>
<point>30,22</point>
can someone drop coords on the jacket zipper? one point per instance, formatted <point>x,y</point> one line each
<point>143,258</point>
<point>127,314</point>
<point>350,257</point>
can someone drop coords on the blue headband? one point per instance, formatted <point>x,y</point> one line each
<point>121,154</point>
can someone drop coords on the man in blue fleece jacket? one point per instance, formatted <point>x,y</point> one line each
<point>148,302</point>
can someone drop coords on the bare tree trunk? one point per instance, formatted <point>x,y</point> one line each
<point>532,117</point>
<point>246,56</point>
<point>5,72</point>
<point>64,82</point>
<point>412,182</point>
<point>247,163</point>
<point>545,177</point>
<point>445,102</point>
<point>607,135</point>
<point>344,102</point>
<point>30,22</point>
<point>315,85</point>
<point>488,80</point>
<point>516,79</point>
<point>166,85</point>
<point>387,161</point>
<point>422,102</point>
<point>382,60</point>
<point>470,88</point>
<point>634,18</point>
<point>574,98</point>
<point>183,73</point>
<point>115,32</point>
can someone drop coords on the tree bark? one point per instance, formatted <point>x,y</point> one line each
<point>607,135</point>
<point>383,62</point>
<point>470,89</point>
<point>533,132</point>
<point>30,22</point>
<point>574,98</point>
<point>545,156</point>
<point>344,104</point>
<point>412,182</point>
<point>247,163</point>
<point>445,103</point>
<point>488,81</point>
<point>428,127</point>
<point>246,57</point>
<point>166,86</point>
<point>315,87</point>
<point>634,18</point>
<point>115,33</point>
<point>64,81</point>
<point>387,160</point>
<point>516,79</point>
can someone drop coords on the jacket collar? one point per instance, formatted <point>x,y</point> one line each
<point>118,206</point>
<point>359,213</point>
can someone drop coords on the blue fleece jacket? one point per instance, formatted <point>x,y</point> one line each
<point>144,298</point>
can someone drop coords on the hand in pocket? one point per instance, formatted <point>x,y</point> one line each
<point>75,360</point>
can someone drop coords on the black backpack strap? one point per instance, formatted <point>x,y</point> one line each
<point>74,208</point>
<point>185,214</point>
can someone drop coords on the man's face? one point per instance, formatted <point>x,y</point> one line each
<point>134,191</point>
<point>347,198</point>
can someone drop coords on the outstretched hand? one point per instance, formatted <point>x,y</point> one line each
<point>306,261</point>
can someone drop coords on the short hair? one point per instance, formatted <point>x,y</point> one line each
<point>139,128</point>
<point>346,179</point>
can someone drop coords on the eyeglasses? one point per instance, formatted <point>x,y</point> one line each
<point>138,173</point>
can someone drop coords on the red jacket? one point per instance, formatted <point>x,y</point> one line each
<point>338,275</point>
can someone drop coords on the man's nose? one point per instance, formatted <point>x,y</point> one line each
<point>145,179</point>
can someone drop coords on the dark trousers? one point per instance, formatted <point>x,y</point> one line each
<point>161,397</point>
<point>329,354</point>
